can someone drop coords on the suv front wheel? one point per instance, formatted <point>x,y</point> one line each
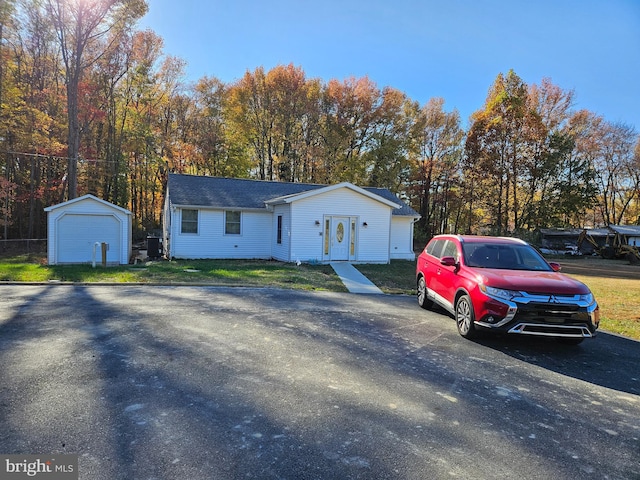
<point>464,317</point>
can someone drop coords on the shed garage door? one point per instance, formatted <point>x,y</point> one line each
<point>77,234</point>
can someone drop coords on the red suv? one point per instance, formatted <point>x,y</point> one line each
<point>505,285</point>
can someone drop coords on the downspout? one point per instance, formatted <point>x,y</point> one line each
<point>390,232</point>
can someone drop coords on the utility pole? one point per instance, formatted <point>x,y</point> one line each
<point>6,202</point>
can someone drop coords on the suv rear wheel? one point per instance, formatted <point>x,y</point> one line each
<point>423,301</point>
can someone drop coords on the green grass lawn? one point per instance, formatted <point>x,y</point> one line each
<point>619,301</point>
<point>255,273</point>
<point>619,298</point>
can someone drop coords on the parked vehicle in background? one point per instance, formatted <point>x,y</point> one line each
<point>504,285</point>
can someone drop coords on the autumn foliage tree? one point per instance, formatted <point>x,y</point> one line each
<point>88,100</point>
<point>497,145</point>
<point>216,153</point>
<point>82,27</point>
<point>532,161</point>
<point>437,140</point>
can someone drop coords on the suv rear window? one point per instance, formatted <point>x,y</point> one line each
<point>435,248</point>
<point>450,250</point>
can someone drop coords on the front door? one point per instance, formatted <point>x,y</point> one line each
<point>340,238</point>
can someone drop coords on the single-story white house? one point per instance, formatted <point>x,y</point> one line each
<point>77,228</point>
<point>214,217</point>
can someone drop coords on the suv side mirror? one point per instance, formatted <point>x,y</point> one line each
<point>555,266</point>
<point>448,261</point>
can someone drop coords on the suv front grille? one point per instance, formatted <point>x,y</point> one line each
<point>554,308</point>
<point>551,330</point>
<point>554,312</point>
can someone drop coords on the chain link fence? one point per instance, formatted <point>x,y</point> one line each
<point>28,246</point>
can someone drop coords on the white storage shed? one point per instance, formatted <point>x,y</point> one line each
<point>77,228</point>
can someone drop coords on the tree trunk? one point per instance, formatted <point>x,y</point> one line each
<point>73,143</point>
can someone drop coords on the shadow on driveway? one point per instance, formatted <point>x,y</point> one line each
<point>231,383</point>
<point>608,360</point>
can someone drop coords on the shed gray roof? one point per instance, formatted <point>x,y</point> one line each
<point>218,192</point>
<point>633,230</point>
<point>598,232</point>
<point>561,232</point>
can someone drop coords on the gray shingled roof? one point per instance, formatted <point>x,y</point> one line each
<point>218,192</point>
<point>626,229</point>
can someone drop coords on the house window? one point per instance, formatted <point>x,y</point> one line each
<point>189,221</point>
<point>327,236</point>
<point>232,222</point>
<point>279,234</point>
<point>340,232</point>
<point>352,246</point>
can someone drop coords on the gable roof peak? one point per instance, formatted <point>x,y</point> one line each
<point>85,197</point>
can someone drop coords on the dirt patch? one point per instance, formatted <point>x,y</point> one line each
<point>599,267</point>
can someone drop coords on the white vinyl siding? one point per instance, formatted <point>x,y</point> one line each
<point>281,250</point>
<point>371,242</point>
<point>402,238</point>
<point>212,242</point>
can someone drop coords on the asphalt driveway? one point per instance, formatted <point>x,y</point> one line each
<point>228,383</point>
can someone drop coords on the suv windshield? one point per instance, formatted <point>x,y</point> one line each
<point>505,256</point>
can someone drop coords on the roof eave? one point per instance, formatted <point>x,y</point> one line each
<point>88,196</point>
<point>214,207</point>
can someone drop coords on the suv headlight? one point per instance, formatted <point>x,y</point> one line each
<point>499,292</point>
<point>587,298</point>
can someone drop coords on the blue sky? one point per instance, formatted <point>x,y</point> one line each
<point>452,49</point>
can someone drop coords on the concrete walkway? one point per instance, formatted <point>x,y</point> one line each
<point>355,281</point>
